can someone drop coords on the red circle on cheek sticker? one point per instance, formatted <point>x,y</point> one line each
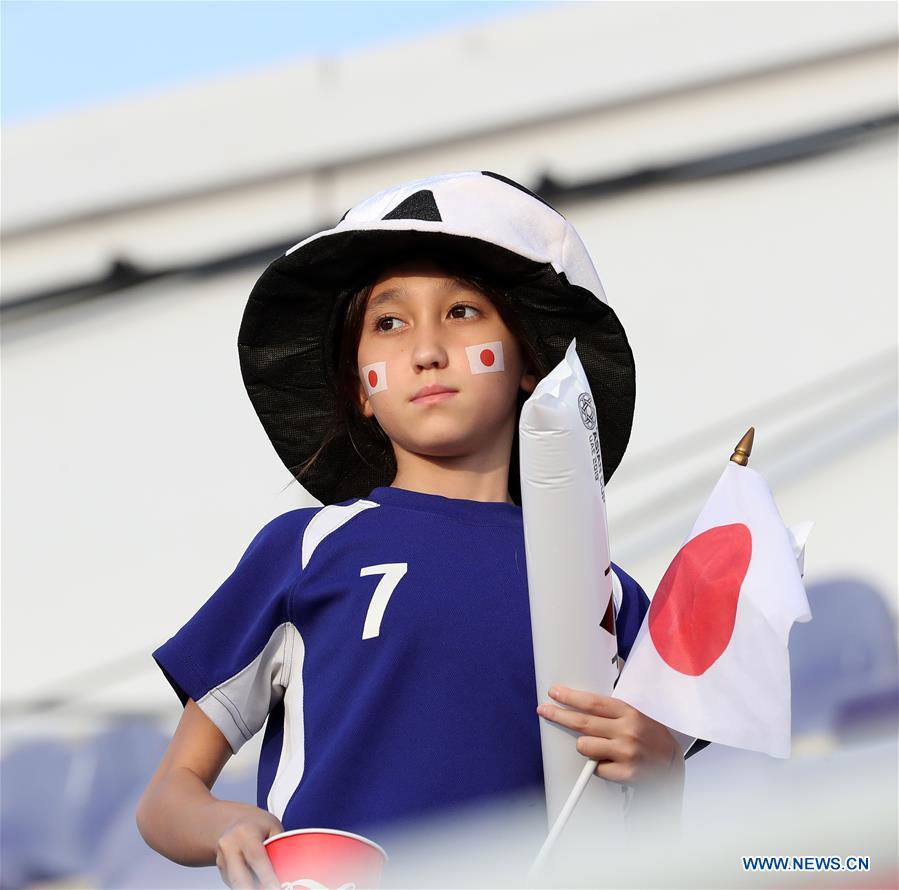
<point>487,357</point>
<point>372,378</point>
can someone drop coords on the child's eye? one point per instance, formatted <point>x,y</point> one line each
<point>383,318</point>
<point>463,306</point>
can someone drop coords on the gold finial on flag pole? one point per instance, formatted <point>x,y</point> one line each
<point>744,448</point>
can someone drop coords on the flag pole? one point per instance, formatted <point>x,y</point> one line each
<point>562,818</point>
<point>740,456</point>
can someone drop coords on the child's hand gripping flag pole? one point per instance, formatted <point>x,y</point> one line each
<point>711,657</point>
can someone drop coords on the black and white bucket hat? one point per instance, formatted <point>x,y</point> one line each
<point>288,337</point>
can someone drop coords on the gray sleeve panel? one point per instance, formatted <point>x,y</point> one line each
<point>240,705</point>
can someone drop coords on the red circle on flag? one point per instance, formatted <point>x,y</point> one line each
<point>487,357</point>
<point>692,615</point>
<point>372,378</point>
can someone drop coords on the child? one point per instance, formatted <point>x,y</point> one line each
<point>383,640</point>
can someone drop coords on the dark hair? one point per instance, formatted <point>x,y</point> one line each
<point>348,419</point>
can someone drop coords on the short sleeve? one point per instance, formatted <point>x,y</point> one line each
<point>629,612</point>
<point>231,655</point>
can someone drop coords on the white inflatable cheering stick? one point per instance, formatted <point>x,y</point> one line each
<point>569,577</point>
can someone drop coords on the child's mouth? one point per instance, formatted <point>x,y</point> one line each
<point>434,397</point>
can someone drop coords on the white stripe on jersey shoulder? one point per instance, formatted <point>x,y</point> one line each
<point>292,762</point>
<point>617,593</point>
<point>328,520</point>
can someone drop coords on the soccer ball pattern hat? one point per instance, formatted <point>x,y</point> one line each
<point>481,221</point>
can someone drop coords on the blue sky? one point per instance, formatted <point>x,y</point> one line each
<point>61,54</point>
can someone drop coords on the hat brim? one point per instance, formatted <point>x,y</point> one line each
<point>288,348</point>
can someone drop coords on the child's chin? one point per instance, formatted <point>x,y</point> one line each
<point>438,449</point>
<point>438,446</point>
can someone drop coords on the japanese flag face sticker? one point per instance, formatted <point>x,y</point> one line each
<point>374,377</point>
<point>485,357</point>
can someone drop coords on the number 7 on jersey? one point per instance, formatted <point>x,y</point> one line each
<point>393,573</point>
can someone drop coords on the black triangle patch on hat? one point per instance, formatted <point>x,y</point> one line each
<point>419,205</point>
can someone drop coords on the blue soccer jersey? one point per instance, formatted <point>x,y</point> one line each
<point>387,643</point>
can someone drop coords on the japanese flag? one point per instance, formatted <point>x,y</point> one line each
<point>374,377</point>
<point>711,657</point>
<point>485,357</point>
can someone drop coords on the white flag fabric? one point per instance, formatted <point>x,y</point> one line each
<point>711,657</point>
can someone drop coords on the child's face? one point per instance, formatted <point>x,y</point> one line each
<point>423,327</point>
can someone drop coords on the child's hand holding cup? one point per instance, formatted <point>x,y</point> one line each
<point>325,859</point>
<point>240,854</point>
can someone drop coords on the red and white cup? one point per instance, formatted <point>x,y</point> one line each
<point>325,859</point>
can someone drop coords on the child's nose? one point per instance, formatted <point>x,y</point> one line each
<point>429,351</point>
